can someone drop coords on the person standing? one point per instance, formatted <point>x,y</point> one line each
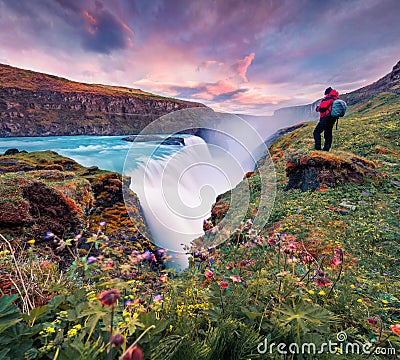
<point>326,121</point>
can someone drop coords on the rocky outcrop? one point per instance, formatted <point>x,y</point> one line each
<point>34,104</point>
<point>319,170</point>
<point>170,140</point>
<point>44,191</point>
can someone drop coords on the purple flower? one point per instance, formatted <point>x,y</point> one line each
<point>158,297</point>
<point>91,259</point>
<point>49,235</point>
<point>102,223</point>
<point>147,255</point>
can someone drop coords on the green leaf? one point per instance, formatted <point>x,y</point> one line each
<point>9,313</point>
<point>36,313</point>
<point>3,354</point>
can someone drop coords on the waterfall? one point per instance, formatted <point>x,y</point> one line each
<point>177,192</point>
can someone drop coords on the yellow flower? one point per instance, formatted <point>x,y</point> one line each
<point>312,292</point>
<point>78,327</point>
<point>352,286</point>
<point>50,329</point>
<point>72,332</point>
<point>359,300</point>
<point>385,301</point>
<point>170,328</point>
<point>321,293</point>
<point>31,241</point>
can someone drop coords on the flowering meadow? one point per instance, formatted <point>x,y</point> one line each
<point>326,263</point>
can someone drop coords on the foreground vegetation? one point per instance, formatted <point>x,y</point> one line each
<point>325,268</point>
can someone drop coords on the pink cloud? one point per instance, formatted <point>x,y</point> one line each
<point>242,65</point>
<point>220,87</point>
<point>258,98</point>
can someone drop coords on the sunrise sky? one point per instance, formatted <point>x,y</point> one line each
<point>249,56</point>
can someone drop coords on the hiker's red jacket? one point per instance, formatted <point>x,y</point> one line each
<point>326,104</point>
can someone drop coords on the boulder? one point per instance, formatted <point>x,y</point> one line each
<point>319,170</point>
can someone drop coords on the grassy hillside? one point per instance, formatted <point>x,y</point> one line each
<point>318,269</point>
<point>33,81</point>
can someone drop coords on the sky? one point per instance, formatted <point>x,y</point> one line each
<point>241,56</point>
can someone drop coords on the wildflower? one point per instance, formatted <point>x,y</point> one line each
<point>352,286</point>
<point>117,340</point>
<point>161,252</point>
<point>385,301</point>
<point>72,332</point>
<point>395,329</point>
<point>359,300</point>
<point>290,248</point>
<point>102,223</point>
<point>133,353</point>
<point>244,263</point>
<point>224,284</point>
<point>50,329</point>
<point>31,242</point>
<point>49,235</point>
<point>158,297</point>
<point>322,281</point>
<point>372,321</point>
<point>339,252</point>
<point>312,292</point>
<point>146,255</point>
<point>321,293</point>
<point>164,278</point>
<point>271,241</point>
<point>308,259</point>
<point>230,266</point>
<point>336,261</point>
<point>209,274</point>
<point>109,297</point>
<point>235,278</point>
<point>91,260</point>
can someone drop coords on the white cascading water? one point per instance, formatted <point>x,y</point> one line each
<point>176,193</point>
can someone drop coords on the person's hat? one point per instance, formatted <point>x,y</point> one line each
<point>328,90</point>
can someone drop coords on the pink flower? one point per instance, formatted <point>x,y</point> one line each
<point>322,281</point>
<point>164,278</point>
<point>244,263</point>
<point>133,353</point>
<point>339,252</point>
<point>209,274</point>
<point>271,241</point>
<point>308,259</point>
<point>290,248</point>
<point>230,266</point>
<point>372,321</point>
<point>235,278</point>
<point>224,285</point>
<point>395,329</point>
<point>336,261</point>
<point>109,297</point>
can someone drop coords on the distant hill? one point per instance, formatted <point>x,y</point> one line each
<point>36,104</point>
<point>383,95</point>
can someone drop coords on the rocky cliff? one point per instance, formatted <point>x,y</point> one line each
<point>35,104</point>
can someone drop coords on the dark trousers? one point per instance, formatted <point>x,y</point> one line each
<point>324,125</point>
